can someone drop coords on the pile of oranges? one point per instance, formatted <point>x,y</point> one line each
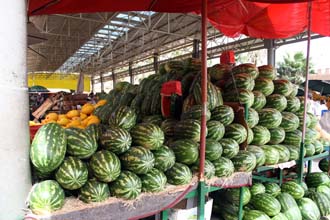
<point>76,118</point>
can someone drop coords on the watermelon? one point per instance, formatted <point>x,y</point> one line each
<point>138,160</point>
<point>124,117</point>
<point>195,112</point>
<point>105,165</point>
<point>72,174</point>
<point>280,216</point>
<point>266,203</point>
<point>264,85</point>
<point>237,132</point>
<point>283,152</point>
<point>214,97</point>
<point>289,206</point>
<point>322,202</point>
<point>271,154</point>
<point>188,129</point>
<point>168,126</point>
<point>308,209</point>
<point>313,120</point>
<point>219,71</point>
<point>257,188</point>
<point>310,150</point>
<point>255,215</point>
<point>233,195</point>
<point>324,189</point>
<point>209,169</point>
<point>250,136</point>
<point>240,81</point>
<point>115,139</point>
<point>276,101</point>
<point>164,158</point>
<point>178,174</point>
<point>230,147</point>
<point>185,150</point>
<point>277,135</point>
<point>301,118</point>
<point>324,164</point>
<point>94,130</point>
<point>223,167</point>
<point>215,130</point>
<point>244,161</point>
<point>272,189</point>
<point>224,114</point>
<point>294,189</point>
<point>310,136</point>
<point>153,119</point>
<point>293,138</point>
<point>243,96</point>
<point>48,148</point>
<point>259,100</point>
<point>46,196</point>
<point>80,143</point>
<point>227,210</point>
<point>258,153</point>
<point>314,180</point>
<point>153,181</point>
<point>94,191</point>
<point>267,71</point>
<point>282,87</point>
<point>149,136</point>
<point>248,68</point>
<point>290,121</point>
<point>293,104</point>
<point>269,118</point>
<point>127,186</point>
<point>294,92</point>
<point>261,135</point>
<point>253,118</point>
<point>294,152</point>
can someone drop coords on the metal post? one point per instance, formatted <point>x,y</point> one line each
<point>164,215</point>
<point>270,45</point>
<point>195,53</point>
<point>130,72</point>
<point>102,84</point>
<point>14,149</point>
<point>241,199</point>
<point>113,78</point>
<point>156,62</point>
<point>201,201</point>
<point>93,85</point>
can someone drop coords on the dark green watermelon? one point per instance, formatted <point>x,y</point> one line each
<point>259,100</point>
<point>258,153</point>
<point>123,117</point>
<point>209,169</point>
<point>138,160</point>
<point>115,139</point>
<point>168,126</point>
<point>153,181</point>
<point>264,85</point>
<point>261,135</point>
<point>105,165</point>
<point>293,104</point>
<point>237,132</point>
<point>276,101</point>
<point>224,114</point>
<point>127,186</point>
<point>178,174</point>
<point>188,129</point>
<point>290,121</point>
<point>282,87</point>
<point>149,136</point>
<point>195,112</point>
<point>277,135</point>
<point>230,147</point>
<point>271,154</point>
<point>223,167</point>
<point>253,118</point>
<point>267,71</point>
<point>185,150</point>
<point>215,130</point>
<point>164,158</point>
<point>94,191</point>
<point>244,161</point>
<point>270,118</point>
<point>248,68</point>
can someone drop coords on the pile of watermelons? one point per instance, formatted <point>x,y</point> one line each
<point>136,150</point>
<point>269,201</point>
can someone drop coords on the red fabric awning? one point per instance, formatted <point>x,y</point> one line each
<point>231,17</point>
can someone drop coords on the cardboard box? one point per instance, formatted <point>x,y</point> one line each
<point>190,213</point>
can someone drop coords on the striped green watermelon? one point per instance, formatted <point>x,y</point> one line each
<point>271,154</point>
<point>215,130</point>
<point>195,112</point>
<point>105,166</point>
<point>253,118</point>
<point>127,186</point>
<point>277,135</point>
<point>258,153</point>
<point>115,139</point>
<point>282,87</point>
<point>294,91</point>
<point>293,138</point>
<point>313,121</point>
<point>94,191</point>
<point>240,81</point>
<point>264,85</point>
<point>250,136</point>
<point>266,203</point>
<point>178,174</point>
<point>267,71</point>
<point>261,135</point>
<point>46,197</point>
<point>138,160</point>
<point>308,209</point>
<point>214,97</point>
<point>244,161</point>
<point>322,202</point>
<point>123,117</point>
<point>259,100</point>
<point>248,68</point>
<point>209,169</point>
<point>301,117</point>
<point>294,189</point>
<point>149,136</point>
<point>276,101</point>
<point>237,132</point>
<point>310,136</point>
<point>270,117</point>
<point>294,152</point>
<point>48,148</point>
<point>224,114</point>
<point>324,164</point>
<point>293,104</point>
<point>232,195</point>
<point>272,189</point>
<point>168,126</point>
<point>313,180</point>
<point>324,189</point>
<point>213,150</point>
<point>310,150</point>
<point>94,130</point>
<point>255,215</point>
<point>283,152</point>
<point>185,150</point>
<point>230,147</point>
<point>153,181</point>
<point>188,129</point>
<point>243,96</point>
<point>153,119</point>
<point>164,158</point>
<point>257,188</point>
<point>223,167</point>
<point>280,216</point>
<point>290,121</point>
<point>80,143</point>
<point>72,174</point>
<point>289,206</point>
<point>219,71</point>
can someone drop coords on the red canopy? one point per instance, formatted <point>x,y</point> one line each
<point>231,17</point>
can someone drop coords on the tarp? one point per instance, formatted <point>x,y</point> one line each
<point>231,17</point>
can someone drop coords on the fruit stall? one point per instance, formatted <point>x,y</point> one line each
<point>187,131</point>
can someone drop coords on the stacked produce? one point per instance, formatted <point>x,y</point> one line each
<point>290,201</point>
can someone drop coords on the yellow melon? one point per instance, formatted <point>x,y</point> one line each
<point>63,121</point>
<point>93,120</point>
<point>83,116</point>
<point>87,109</point>
<point>72,114</point>
<point>52,116</point>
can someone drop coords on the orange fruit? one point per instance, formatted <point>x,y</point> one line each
<point>87,109</point>
<point>72,114</point>
<point>52,116</point>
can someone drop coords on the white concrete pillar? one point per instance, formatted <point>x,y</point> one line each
<point>15,178</point>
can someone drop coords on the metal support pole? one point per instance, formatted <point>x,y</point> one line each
<point>15,139</point>
<point>113,78</point>
<point>164,215</point>
<point>156,62</point>
<point>270,45</point>
<point>240,208</point>
<point>130,72</point>
<point>102,84</point>
<point>201,201</point>
<point>93,85</point>
<point>195,52</point>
